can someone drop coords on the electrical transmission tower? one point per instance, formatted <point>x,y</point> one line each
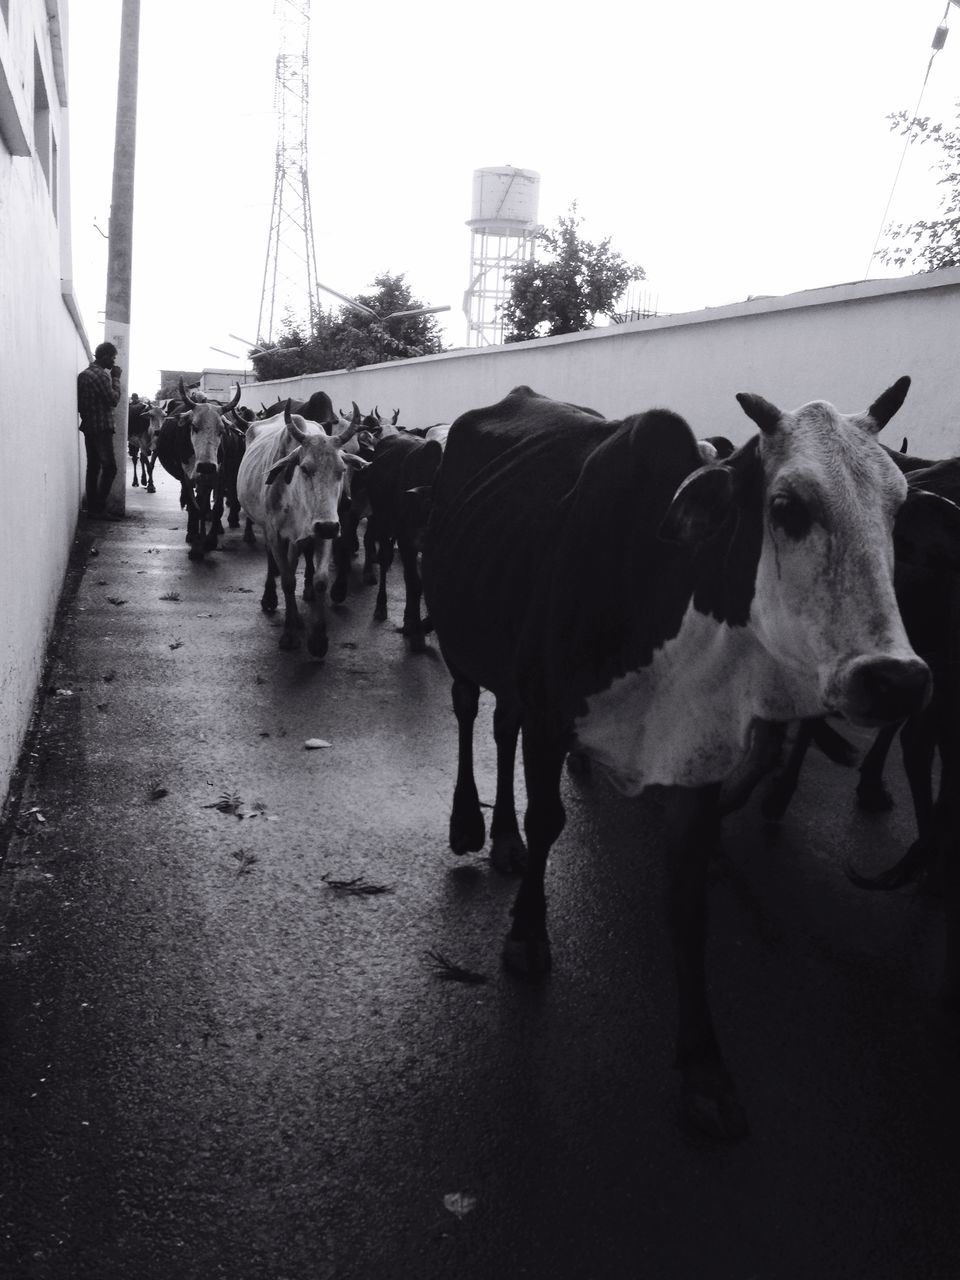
<point>290,270</point>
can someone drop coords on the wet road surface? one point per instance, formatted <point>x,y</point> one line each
<point>220,1057</point>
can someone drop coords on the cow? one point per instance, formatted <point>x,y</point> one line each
<point>290,483</point>
<point>616,593</point>
<point>190,448</point>
<point>927,580</point>
<point>143,433</point>
<point>391,494</point>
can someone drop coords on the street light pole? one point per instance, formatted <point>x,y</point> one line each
<point>120,248</point>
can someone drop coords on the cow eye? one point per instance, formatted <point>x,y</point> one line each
<point>791,514</point>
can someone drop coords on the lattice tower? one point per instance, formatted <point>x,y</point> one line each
<point>290,270</point>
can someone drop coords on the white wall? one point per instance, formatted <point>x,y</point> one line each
<point>43,349</point>
<point>844,344</point>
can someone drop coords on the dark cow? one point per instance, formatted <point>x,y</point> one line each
<point>390,492</point>
<point>614,592</point>
<point>190,448</point>
<point>927,580</point>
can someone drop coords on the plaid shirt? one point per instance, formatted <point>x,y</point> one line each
<point>97,393</point>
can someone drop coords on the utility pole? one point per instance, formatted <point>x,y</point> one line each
<point>120,249</point>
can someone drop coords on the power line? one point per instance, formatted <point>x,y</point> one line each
<point>939,40</point>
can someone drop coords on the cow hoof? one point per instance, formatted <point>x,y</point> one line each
<point>873,797</point>
<point>379,615</point>
<point>234,522</point>
<point>268,606</point>
<point>338,592</point>
<point>369,578</point>
<point>151,488</point>
<point>578,764</point>
<point>195,553</point>
<point>210,544</point>
<point>776,798</point>
<point>317,645</point>
<point>719,1117</point>
<point>249,539</point>
<point>468,837</point>
<point>530,957</point>
<point>417,643</point>
<point>289,640</point>
<point>508,854</point>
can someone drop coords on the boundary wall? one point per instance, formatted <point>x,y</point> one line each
<point>845,344</point>
<point>44,347</point>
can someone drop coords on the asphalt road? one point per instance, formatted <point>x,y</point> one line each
<point>221,1058</point>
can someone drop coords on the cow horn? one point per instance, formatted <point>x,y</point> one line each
<point>887,404</point>
<point>235,401</point>
<point>183,391</point>
<point>296,430</point>
<point>762,412</point>
<point>396,415</point>
<point>376,412</point>
<point>286,412</point>
<point>350,430</point>
<point>356,412</point>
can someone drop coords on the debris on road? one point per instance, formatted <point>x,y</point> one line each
<point>447,971</point>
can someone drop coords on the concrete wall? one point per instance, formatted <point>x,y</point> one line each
<point>43,348</point>
<point>844,344</point>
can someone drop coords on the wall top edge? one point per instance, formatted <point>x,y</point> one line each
<point>826,295</point>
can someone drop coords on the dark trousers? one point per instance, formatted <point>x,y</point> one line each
<point>101,468</point>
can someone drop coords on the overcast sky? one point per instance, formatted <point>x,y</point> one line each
<point>730,148</point>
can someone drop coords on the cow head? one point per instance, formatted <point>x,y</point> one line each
<point>816,497</point>
<point>305,505</point>
<point>825,602</point>
<point>205,423</point>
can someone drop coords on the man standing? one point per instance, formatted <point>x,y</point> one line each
<point>98,390</point>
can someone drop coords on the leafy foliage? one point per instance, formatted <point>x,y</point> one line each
<point>565,291</point>
<point>347,339</point>
<point>928,245</point>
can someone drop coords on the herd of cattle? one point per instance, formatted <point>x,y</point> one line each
<point>683,613</point>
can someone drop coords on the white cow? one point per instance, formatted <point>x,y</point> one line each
<point>289,483</point>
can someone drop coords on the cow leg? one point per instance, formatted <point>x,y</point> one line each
<point>385,560</point>
<point>369,554</point>
<point>527,946</point>
<point>508,853</point>
<point>918,743</point>
<point>268,601</point>
<point>413,627</point>
<point>194,532</point>
<point>344,549</point>
<point>214,512</point>
<point>873,794</point>
<point>692,828</point>
<point>292,622</point>
<point>467,829</point>
<point>317,572</point>
<point>249,536</point>
<point>151,463</point>
<point>780,787</point>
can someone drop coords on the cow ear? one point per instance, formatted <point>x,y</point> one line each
<point>699,507</point>
<point>354,460</point>
<point>286,465</point>
<point>927,531</point>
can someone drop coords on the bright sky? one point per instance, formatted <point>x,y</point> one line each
<point>730,148</point>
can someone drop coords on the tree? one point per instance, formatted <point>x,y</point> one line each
<point>565,292</point>
<point>929,245</point>
<point>348,338</point>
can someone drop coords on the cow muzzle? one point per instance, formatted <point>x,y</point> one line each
<point>206,468</point>
<point>874,691</point>
<point>326,528</point>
